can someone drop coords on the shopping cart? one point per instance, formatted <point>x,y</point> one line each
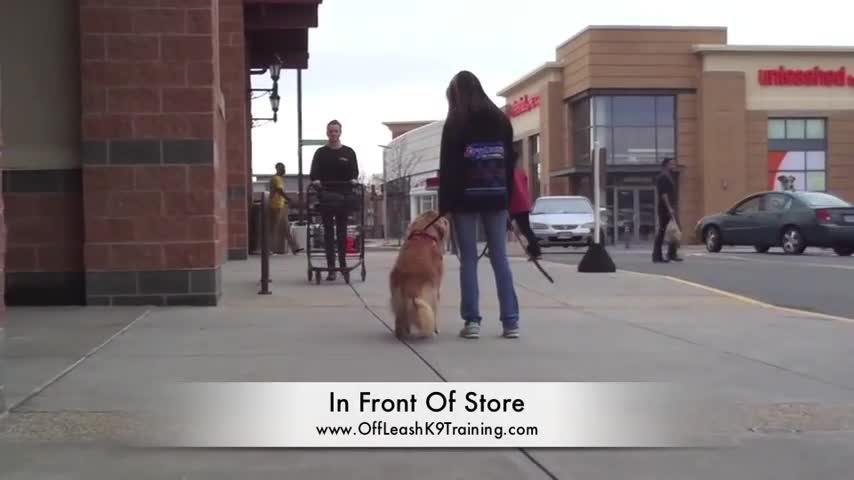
<point>345,198</point>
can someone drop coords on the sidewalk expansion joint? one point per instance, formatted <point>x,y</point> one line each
<point>388,327</point>
<point>71,367</point>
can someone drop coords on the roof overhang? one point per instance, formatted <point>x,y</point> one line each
<point>278,29</point>
<point>530,77</point>
<point>817,49</point>
<point>663,28</point>
<point>399,129</point>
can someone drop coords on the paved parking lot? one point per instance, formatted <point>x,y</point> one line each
<point>817,281</point>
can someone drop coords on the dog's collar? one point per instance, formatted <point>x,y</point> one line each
<point>423,234</point>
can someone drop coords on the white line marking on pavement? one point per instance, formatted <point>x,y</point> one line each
<point>773,262</point>
<point>71,367</point>
<point>722,257</point>
<point>748,300</point>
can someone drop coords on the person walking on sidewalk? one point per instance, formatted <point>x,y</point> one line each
<point>665,189</point>
<point>335,170</point>
<point>475,184</point>
<point>520,210</point>
<point>280,227</point>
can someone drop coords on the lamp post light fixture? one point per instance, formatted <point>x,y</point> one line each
<point>275,70</point>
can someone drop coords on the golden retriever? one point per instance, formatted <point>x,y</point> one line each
<point>416,278</point>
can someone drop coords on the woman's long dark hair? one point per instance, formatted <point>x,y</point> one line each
<point>466,98</point>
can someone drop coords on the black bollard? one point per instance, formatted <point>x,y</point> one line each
<point>265,249</point>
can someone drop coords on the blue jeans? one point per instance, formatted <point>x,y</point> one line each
<point>495,226</point>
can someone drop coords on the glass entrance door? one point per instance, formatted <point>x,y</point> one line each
<point>646,215</point>
<point>634,214</point>
<point>625,215</point>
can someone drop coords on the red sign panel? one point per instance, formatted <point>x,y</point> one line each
<point>814,77</point>
<point>432,183</point>
<point>524,105</point>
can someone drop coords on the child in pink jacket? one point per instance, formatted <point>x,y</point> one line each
<point>520,208</point>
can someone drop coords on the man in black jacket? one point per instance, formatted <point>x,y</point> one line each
<point>334,169</point>
<point>665,189</point>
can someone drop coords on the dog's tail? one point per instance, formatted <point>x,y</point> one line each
<point>425,317</point>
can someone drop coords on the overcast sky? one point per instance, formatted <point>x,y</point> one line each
<point>391,60</point>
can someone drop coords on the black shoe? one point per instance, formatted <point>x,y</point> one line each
<point>331,277</point>
<point>676,259</point>
<point>660,260</point>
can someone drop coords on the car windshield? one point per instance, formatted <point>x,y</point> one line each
<point>817,200</point>
<point>562,205</point>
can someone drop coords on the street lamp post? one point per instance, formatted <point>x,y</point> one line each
<point>302,212</point>
<point>385,148</point>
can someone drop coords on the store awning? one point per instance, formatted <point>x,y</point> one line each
<point>611,169</point>
<point>278,29</point>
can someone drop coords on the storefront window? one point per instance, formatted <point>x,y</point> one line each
<point>776,129</point>
<point>796,129</point>
<point>815,128</point>
<point>635,129</point>
<point>602,111</point>
<point>581,147</point>
<point>633,145</point>
<point>426,203</point>
<point>797,154</point>
<point>665,111</point>
<point>633,111</point>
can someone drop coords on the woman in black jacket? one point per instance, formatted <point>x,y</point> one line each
<point>475,184</point>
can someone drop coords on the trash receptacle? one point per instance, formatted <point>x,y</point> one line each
<point>299,233</point>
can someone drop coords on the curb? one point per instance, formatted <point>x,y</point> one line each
<point>379,248</point>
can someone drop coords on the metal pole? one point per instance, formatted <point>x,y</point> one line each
<point>596,156</point>
<point>265,249</point>
<point>299,147</point>
<point>385,198</point>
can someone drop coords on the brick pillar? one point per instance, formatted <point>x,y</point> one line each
<point>149,151</point>
<point>235,89</point>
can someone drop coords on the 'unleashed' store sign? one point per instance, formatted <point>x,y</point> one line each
<point>524,105</point>
<point>814,77</point>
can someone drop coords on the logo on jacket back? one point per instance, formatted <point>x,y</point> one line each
<point>486,174</point>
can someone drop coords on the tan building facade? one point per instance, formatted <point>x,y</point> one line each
<point>737,119</point>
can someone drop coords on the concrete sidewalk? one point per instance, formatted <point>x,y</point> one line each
<point>793,373</point>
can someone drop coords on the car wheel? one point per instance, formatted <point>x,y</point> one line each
<point>793,241</point>
<point>712,239</point>
<point>843,251</point>
<point>761,248</point>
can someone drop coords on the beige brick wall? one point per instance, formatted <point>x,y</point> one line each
<point>552,134</point>
<point>723,139</point>
<point>757,151</point>
<point>688,158</point>
<point>634,58</point>
<point>840,164</point>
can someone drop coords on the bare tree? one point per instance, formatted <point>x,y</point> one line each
<point>400,163</point>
